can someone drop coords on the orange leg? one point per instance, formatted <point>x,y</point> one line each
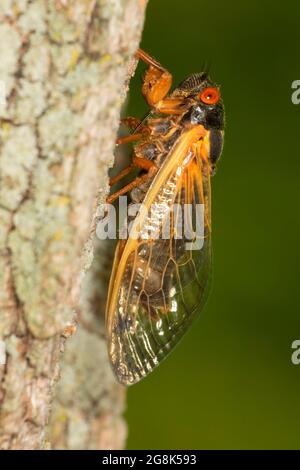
<point>129,187</point>
<point>120,175</point>
<point>157,80</point>
<point>129,138</point>
<point>157,84</point>
<point>140,54</point>
<point>131,122</point>
<point>171,106</point>
<point>137,162</point>
<point>144,131</point>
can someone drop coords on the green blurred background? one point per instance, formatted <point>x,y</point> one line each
<point>230,384</point>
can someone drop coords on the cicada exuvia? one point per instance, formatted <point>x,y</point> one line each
<point>159,284</point>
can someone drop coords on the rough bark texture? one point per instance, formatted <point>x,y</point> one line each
<point>64,65</point>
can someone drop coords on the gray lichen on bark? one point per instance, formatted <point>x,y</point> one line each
<point>64,65</point>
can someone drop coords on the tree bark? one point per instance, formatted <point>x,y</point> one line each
<point>64,71</point>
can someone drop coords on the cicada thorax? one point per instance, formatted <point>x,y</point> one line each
<point>162,135</point>
<point>163,132</point>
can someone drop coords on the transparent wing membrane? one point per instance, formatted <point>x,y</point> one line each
<point>160,279</point>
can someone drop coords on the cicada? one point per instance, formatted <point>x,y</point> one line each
<point>159,284</point>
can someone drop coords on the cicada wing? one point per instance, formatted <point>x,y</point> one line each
<point>160,283</point>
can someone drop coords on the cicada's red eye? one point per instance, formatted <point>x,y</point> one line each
<point>210,95</point>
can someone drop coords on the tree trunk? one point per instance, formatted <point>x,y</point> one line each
<point>63,72</point>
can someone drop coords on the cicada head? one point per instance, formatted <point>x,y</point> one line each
<point>206,108</point>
